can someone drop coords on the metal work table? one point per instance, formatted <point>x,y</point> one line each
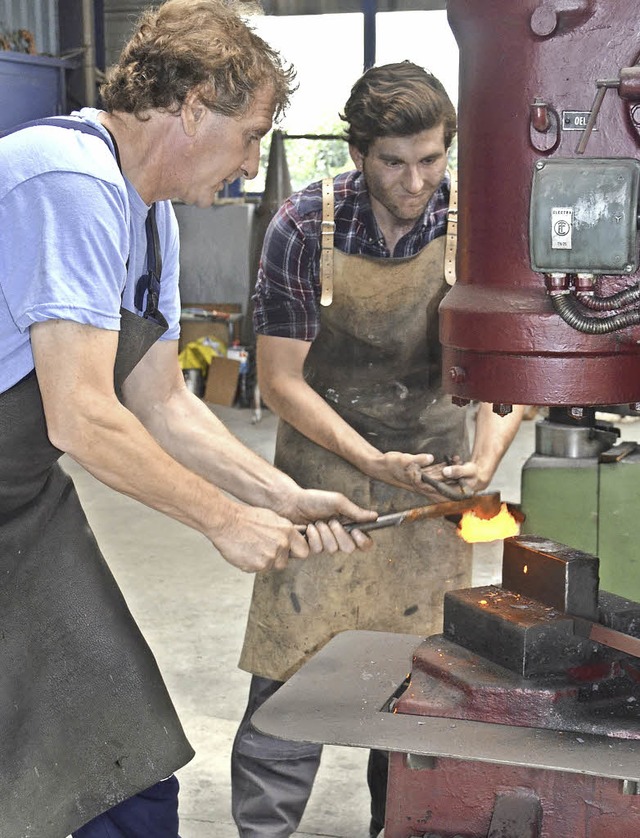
<point>336,698</point>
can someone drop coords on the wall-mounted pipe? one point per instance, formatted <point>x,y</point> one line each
<point>369,10</point>
<point>89,53</point>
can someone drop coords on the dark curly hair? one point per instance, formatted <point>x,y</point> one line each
<point>196,44</point>
<point>396,100</point>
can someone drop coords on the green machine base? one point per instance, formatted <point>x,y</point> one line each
<point>587,502</point>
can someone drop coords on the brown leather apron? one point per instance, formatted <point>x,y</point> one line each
<point>376,361</point>
<point>85,718</point>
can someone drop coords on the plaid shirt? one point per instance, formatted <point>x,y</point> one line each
<point>287,296</point>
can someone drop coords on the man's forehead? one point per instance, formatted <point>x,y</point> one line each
<point>262,105</point>
<point>431,139</point>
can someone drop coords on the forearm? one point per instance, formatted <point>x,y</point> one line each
<point>493,436</point>
<point>299,405</point>
<point>110,442</point>
<point>284,389</point>
<point>187,430</point>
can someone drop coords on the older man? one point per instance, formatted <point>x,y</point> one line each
<point>89,321</point>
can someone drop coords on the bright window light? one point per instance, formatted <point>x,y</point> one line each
<point>325,74</point>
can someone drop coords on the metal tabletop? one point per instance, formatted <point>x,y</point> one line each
<point>336,698</point>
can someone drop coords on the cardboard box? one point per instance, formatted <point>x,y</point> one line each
<point>192,329</point>
<point>222,381</point>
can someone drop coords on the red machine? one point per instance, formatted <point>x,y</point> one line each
<point>546,306</point>
<point>520,720</point>
<point>522,655</point>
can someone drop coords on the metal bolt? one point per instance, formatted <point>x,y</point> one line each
<point>576,412</point>
<point>540,164</point>
<point>502,409</point>
<point>457,375</point>
<point>635,406</point>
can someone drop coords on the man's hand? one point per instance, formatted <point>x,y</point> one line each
<point>400,469</point>
<point>492,438</point>
<point>467,473</point>
<point>324,513</point>
<point>256,539</point>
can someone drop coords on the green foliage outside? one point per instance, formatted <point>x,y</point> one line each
<point>308,160</point>
<point>311,160</point>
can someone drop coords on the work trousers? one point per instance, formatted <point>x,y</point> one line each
<point>151,814</point>
<point>272,779</point>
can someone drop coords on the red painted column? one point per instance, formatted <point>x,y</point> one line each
<point>502,340</point>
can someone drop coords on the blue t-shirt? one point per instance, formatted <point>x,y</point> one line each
<point>69,224</point>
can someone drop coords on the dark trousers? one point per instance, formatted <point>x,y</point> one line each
<point>272,779</point>
<point>151,814</point>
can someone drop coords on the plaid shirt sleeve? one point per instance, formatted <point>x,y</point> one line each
<point>286,297</point>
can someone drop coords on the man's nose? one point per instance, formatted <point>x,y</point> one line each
<point>414,182</point>
<point>251,164</point>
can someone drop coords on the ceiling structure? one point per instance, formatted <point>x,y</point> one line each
<point>120,14</point>
<point>316,7</point>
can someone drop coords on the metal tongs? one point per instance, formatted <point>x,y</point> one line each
<point>453,491</point>
<point>484,505</point>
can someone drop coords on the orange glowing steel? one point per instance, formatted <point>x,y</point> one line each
<point>473,529</point>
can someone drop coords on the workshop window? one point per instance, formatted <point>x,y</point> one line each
<point>328,53</point>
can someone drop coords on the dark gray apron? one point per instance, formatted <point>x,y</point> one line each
<point>376,361</point>
<point>85,718</point>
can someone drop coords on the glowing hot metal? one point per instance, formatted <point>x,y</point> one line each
<point>474,529</point>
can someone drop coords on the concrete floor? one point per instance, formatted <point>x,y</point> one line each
<point>191,606</point>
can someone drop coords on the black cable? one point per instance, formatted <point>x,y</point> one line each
<point>623,299</point>
<point>570,310</point>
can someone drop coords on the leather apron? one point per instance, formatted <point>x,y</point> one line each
<point>377,362</point>
<point>85,718</point>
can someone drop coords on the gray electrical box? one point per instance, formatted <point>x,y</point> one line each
<point>584,216</point>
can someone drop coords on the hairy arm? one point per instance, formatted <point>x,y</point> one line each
<point>139,450</point>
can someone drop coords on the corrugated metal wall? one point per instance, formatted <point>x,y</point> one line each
<point>40,17</point>
<point>119,19</point>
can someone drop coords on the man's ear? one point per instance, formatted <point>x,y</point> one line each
<point>357,156</point>
<point>192,112</point>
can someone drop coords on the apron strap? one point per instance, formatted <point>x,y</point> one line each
<point>452,232</point>
<point>326,256</point>
<point>149,283</point>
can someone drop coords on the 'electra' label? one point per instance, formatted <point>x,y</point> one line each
<point>561,227</point>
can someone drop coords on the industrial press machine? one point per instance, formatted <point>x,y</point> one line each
<point>546,307</point>
<point>522,719</point>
